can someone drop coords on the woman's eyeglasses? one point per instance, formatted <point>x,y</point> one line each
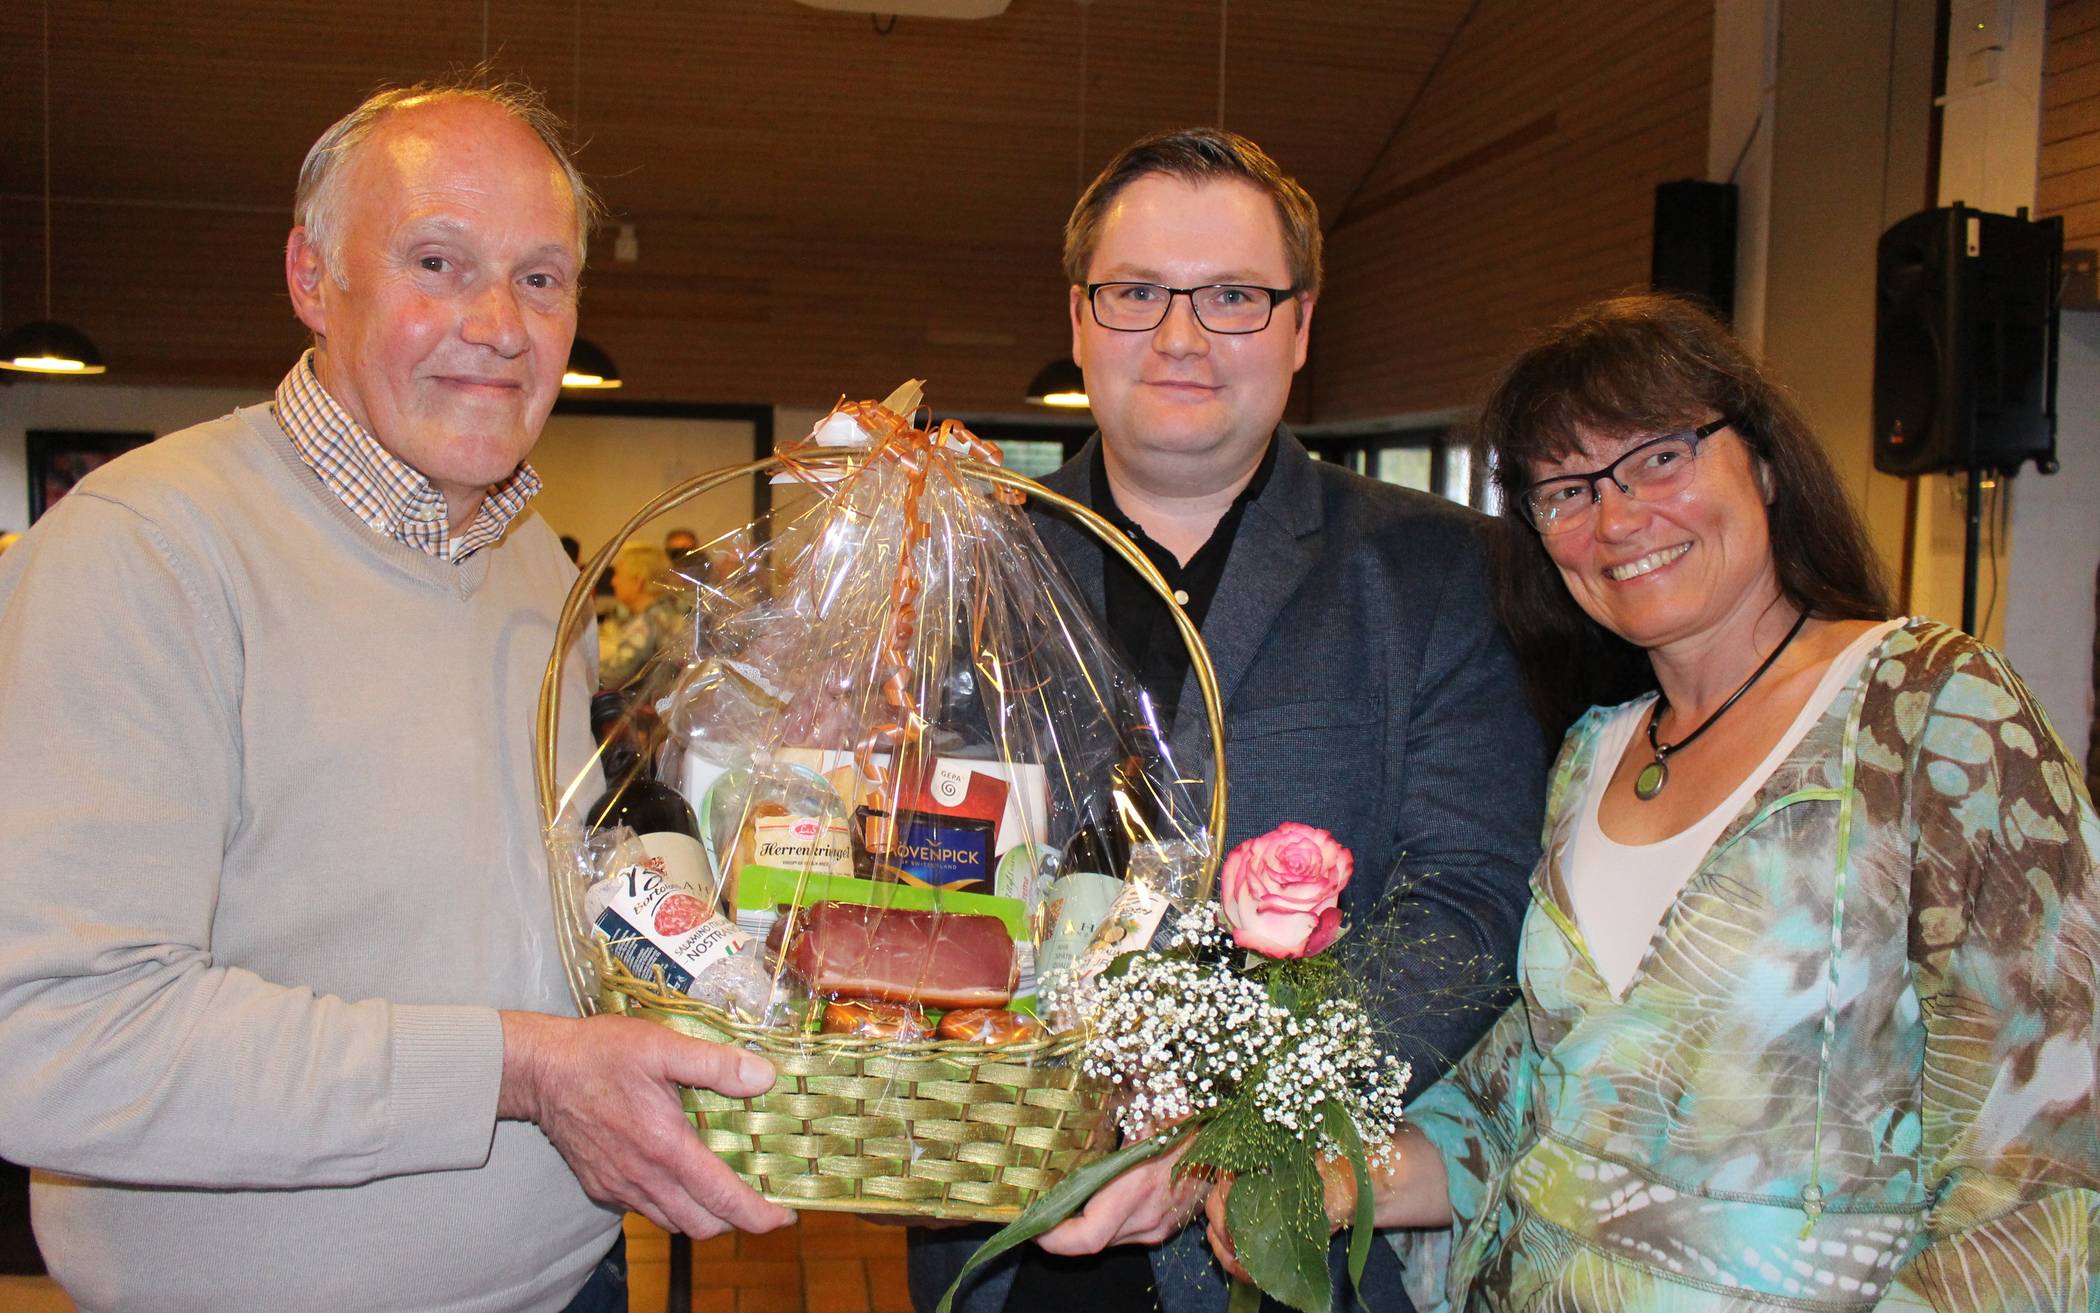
<point>1651,471</point>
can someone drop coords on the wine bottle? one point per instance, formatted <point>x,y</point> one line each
<point>1095,847</point>
<point>660,931</point>
<point>1158,872</point>
<point>1089,879</point>
<point>636,799</point>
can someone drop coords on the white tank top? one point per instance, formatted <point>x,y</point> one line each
<point>1620,891</point>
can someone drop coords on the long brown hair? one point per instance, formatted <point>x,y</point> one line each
<point>1640,365</point>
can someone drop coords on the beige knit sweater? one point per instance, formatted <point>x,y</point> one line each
<point>269,865</point>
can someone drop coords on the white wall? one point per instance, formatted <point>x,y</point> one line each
<point>794,423</point>
<point>1991,124</point>
<point>1847,123</point>
<point>2056,548</point>
<point>1990,141</point>
<point>599,470</point>
<point>1739,144</point>
<point>89,404</point>
<point>1811,214</point>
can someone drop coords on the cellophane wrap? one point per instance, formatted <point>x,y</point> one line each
<point>905,737</point>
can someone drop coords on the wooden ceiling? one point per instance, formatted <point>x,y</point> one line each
<point>813,193</point>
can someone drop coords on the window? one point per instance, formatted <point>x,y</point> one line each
<point>1034,457</point>
<point>1031,449</point>
<point>1427,457</point>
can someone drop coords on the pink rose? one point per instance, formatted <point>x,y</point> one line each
<point>1280,890</point>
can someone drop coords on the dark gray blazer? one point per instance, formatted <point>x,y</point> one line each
<point>1368,691</point>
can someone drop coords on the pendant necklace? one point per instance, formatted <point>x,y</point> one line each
<point>1657,773</point>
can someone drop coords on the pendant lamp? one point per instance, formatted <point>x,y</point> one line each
<point>1060,383</point>
<point>46,346</point>
<point>589,368</point>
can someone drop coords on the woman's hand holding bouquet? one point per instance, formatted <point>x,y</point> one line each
<point>1242,1054</point>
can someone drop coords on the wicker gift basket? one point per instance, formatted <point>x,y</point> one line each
<point>910,1126</point>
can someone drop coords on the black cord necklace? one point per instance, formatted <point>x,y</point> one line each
<point>1657,773</point>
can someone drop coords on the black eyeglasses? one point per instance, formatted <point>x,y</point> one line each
<point>1219,307</point>
<point>1651,471</point>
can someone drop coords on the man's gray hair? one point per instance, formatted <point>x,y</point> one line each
<point>317,205</point>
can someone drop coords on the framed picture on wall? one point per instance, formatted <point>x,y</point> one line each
<point>60,458</point>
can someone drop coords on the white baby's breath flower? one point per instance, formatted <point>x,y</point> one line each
<point>1179,1037</point>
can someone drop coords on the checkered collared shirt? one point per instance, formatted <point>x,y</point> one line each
<point>380,488</point>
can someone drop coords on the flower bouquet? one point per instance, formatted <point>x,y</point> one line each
<point>1243,1037</point>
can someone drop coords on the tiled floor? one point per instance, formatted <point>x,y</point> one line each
<point>826,1263</point>
<point>33,1295</point>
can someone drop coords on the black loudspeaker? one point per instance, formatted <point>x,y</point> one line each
<point>1694,250</point>
<point>1965,330</point>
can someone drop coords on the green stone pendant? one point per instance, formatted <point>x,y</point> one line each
<point>1651,780</point>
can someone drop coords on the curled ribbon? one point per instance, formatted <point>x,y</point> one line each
<point>921,453</point>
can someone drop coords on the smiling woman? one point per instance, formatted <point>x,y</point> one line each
<point>1609,379</point>
<point>1774,987</point>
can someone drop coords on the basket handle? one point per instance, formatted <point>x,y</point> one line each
<point>579,604</point>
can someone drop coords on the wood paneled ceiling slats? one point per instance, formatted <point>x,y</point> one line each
<point>1624,84</point>
<point>2071,120</point>
<point>1535,62</point>
<point>777,161</point>
<point>2070,48</point>
<point>2069,167</point>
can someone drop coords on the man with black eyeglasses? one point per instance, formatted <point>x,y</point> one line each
<point>1367,687</point>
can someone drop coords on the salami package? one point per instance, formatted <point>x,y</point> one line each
<point>900,740</point>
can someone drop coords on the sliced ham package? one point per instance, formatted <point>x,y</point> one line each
<point>934,959</point>
<point>877,940</point>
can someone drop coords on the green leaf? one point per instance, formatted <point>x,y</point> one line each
<point>1341,1128</point>
<point>1279,1229</point>
<point>1064,1199</point>
<point>1285,991</point>
<point>1238,1139</point>
<point>1118,967</point>
<point>1246,1297</point>
<point>1303,985</point>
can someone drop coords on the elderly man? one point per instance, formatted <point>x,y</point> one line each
<point>1367,687</point>
<point>279,1005</point>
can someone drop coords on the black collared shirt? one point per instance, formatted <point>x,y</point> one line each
<point>1136,617</point>
<point>1120,1280</point>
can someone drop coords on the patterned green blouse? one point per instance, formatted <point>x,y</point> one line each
<point>627,639</point>
<point>1856,1068</point>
